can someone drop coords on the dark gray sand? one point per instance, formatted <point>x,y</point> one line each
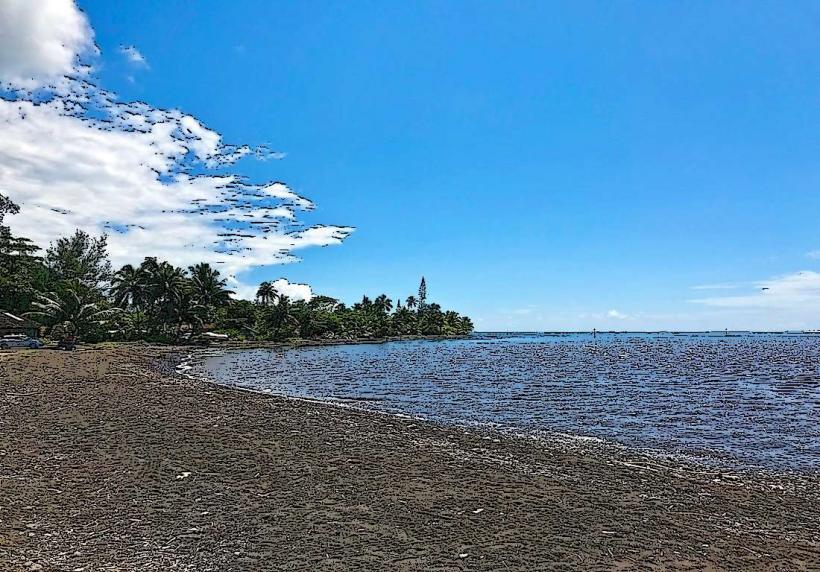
<point>108,462</point>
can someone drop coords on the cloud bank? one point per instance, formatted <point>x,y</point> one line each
<point>157,181</point>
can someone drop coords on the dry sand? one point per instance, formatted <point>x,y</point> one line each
<point>109,462</point>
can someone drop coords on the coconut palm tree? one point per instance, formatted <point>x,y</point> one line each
<point>411,302</point>
<point>366,305</point>
<point>208,286</point>
<point>404,321</point>
<point>187,311</point>
<point>382,304</point>
<point>71,310</point>
<point>279,316</point>
<point>266,293</point>
<point>128,287</point>
<point>168,291</point>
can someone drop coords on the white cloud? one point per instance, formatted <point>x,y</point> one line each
<point>292,290</point>
<point>153,179</point>
<point>798,291</point>
<point>134,56</point>
<point>615,314</point>
<point>41,41</point>
<point>608,315</point>
<point>787,302</point>
<point>813,254</point>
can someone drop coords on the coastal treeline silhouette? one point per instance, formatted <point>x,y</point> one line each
<point>72,290</point>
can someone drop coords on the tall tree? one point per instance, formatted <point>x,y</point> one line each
<point>277,320</point>
<point>169,290</point>
<point>266,293</point>
<point>208,286</point>
<point>80,257</point>
<point>7,206</point>
<point>382,304</point>
<point>21,271</point>
<point>128,287</point>
<point>422,293</point>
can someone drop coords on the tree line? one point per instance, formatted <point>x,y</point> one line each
<point>72,290</point>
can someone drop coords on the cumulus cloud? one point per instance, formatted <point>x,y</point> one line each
<point>155,180</point>
<point>292,290</point>
<point>133,55</point>
<point>41,42</point>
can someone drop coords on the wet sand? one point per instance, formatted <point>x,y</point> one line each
<point>110,462</point>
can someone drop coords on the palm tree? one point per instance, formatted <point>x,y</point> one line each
<point>280,315</point>
<point>169,291</point>
<point>69,310</point>
<point>266,293</point>
<point>128,287</point>
<point>411,302</point>
<point>382,304</point>
<point>187,311</point>
<point>404,321</point>
<point>431,319</point>
<point>208,286</point>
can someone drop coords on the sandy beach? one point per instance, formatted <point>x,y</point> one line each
<point>110,461</point>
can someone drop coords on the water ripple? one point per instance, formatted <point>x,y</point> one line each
<point>749,400</point>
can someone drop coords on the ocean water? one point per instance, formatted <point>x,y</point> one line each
<point>746,400</point>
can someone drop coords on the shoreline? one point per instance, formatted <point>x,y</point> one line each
<point>720,464</point>
<point>306,342</point>
<point>542,438</point>
<point>275,482</point>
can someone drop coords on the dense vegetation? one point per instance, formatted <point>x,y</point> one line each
<point>73,290</point>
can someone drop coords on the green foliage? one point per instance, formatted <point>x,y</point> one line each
<point>265,294</point>
<point>22,273</point>
<point>81,258</point>
<point>422,293</point>
<point>72,308</point>
<point>171,301</point>
<point>73,292</point>
<point>7,206</point>
<point>237,319</point>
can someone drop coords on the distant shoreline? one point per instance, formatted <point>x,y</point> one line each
<point>302,342</point>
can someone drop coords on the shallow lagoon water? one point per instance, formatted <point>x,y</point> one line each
<point>748,400</point>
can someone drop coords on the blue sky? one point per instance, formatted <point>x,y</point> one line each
<point>545,165</point>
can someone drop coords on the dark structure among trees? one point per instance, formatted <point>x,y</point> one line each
<point>11,325</point>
